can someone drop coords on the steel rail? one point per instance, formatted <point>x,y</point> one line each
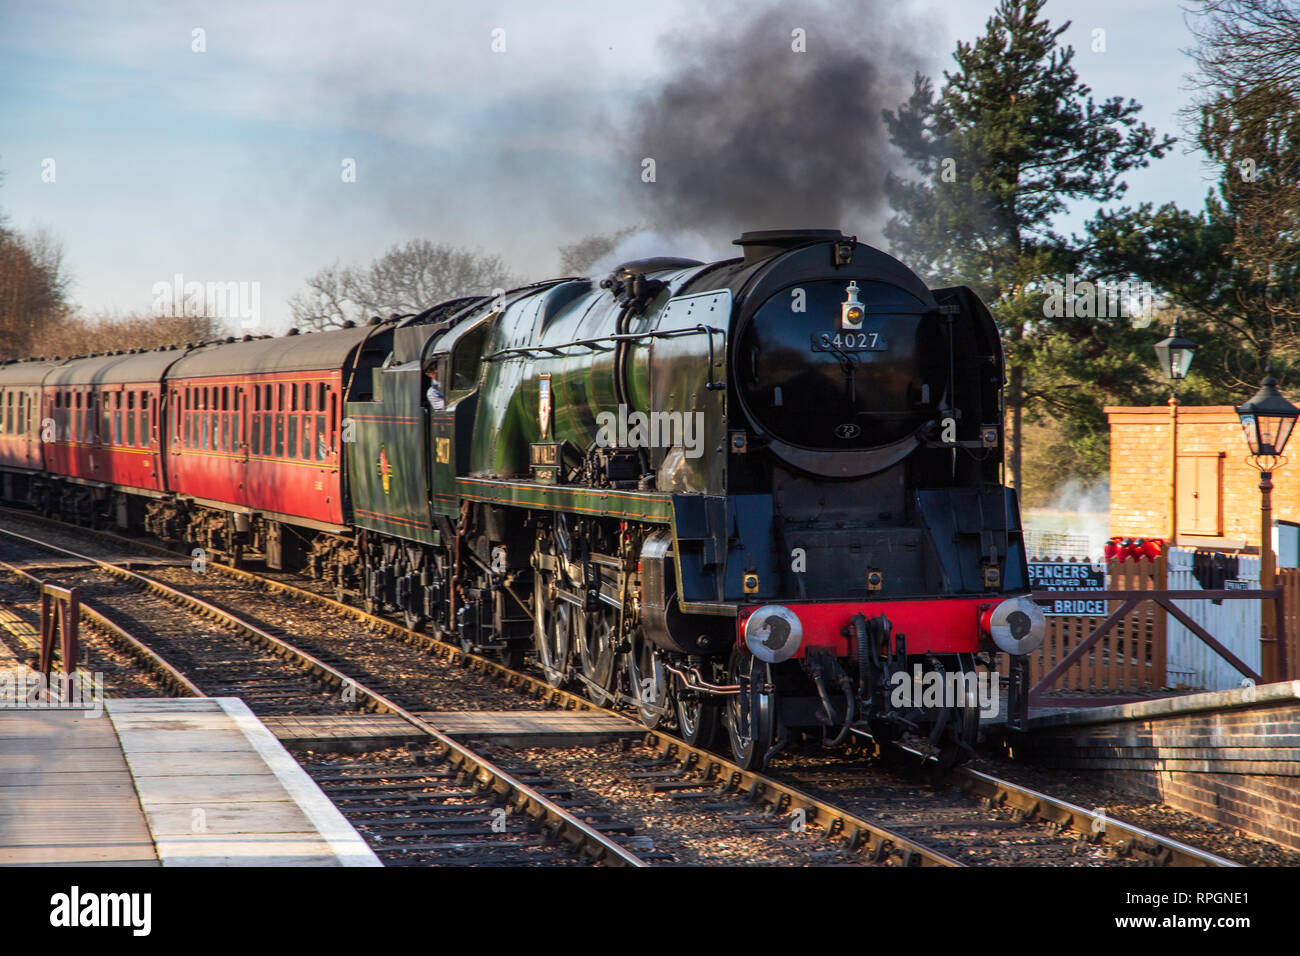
<point>484,772</point>
<point>1125,837</point>
<point>1098,827</point>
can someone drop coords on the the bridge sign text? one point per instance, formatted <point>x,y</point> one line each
<point>1061,576</point>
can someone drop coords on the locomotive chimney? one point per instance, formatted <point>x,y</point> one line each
<point>769,242</point>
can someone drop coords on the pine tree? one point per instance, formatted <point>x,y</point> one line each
<point>1010,137</point>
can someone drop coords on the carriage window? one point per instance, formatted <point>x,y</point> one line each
<point>320,437</point>
<point>225,433</point>
<point>256,435</point>
<point>279,435</point>
<point>234,433</point>
<point>279,398</point>
<point>225,398</point>
<point>266,434</point>
<point>293,436</point>
<point>306,398</point>
<point>130,423</point>
<point>306,438</point>
<point>320,397</point>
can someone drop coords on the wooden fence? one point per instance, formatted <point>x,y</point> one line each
<point>1289,579</point>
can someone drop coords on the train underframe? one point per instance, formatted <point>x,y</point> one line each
<point>568,590</point>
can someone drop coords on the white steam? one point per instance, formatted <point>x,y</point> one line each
<point>1076,523</point>
<point>649,243</point>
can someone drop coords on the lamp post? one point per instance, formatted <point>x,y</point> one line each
<point>1175,357</point>
<point>1266,422</point>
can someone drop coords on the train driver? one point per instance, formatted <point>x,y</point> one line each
<point>434,394</point>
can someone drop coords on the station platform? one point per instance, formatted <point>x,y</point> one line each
<point>161,782</point>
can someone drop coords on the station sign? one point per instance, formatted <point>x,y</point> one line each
<point>1065,576</point>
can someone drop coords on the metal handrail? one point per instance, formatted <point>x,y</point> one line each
<point>613,340</point>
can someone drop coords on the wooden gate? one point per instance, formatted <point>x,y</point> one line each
<point>1130,657</point>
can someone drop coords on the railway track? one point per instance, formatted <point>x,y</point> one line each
<point>255,670</point>
<point>838,802</point>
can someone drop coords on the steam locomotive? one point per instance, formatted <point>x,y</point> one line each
<point>759,498</point>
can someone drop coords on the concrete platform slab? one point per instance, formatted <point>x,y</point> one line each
<point>208,804</point>
<point>193,782</point>
<point>51,815</point>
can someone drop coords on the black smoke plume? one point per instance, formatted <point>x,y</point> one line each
<point>747,133</point>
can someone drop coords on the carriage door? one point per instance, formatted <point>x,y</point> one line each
<point>241,422</point>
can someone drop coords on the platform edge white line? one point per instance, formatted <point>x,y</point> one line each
<point>329,821</point>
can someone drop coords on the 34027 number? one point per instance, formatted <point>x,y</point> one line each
<point>848,342</point>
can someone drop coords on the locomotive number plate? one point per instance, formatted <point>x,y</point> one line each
<point>848,342</point>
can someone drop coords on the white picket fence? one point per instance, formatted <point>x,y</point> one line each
<point>1190,662</point>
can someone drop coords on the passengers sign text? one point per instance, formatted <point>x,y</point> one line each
<point>1053,576</point>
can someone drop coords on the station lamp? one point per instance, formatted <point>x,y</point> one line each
<point>1175,356</point>
<point>1175,353</point>
<point>1267,420</point>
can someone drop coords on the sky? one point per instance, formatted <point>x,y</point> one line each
<point>211,140</point>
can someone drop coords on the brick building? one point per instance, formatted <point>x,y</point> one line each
<point>1217,488</point>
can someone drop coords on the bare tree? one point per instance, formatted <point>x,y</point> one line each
<point>1246,116</point>
<point>1247,43</point>
<point>409,277</point>
<point>33,289</point>
<point>82,334</point>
